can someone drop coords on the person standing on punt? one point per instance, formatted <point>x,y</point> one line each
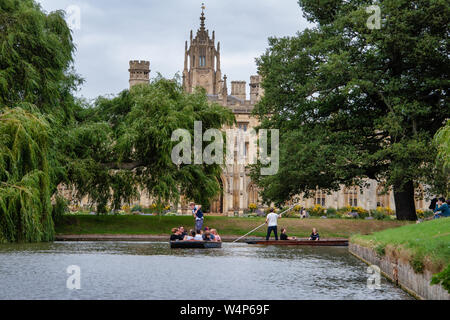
<point>198,215</point>
<point>272,222</point>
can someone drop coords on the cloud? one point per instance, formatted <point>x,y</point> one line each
<point>113,32</point>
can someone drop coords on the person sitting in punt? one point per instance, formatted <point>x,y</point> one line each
<point>216,235</point>
<point>314,235</point>
<point>183,231</point>
<point>207,236</point>
<point>198,236</point>
<point>190,237</point>
<point>176,235</point>
<point>212,237</point>
<point>284,236</point>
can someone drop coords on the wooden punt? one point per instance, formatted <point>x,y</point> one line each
<point>303,242</point>
<point>195,245</point>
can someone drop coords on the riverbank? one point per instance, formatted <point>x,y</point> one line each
<point>160,226</point>
<point>410,256</point>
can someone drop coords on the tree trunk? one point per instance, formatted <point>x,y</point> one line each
<point>404,202</point>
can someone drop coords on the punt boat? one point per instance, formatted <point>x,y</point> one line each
<point>302,242</point>
<point>195,245</point>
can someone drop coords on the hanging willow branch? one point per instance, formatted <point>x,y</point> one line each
<point>25,208</point>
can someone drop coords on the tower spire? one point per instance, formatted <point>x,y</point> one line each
<point>202,18</point>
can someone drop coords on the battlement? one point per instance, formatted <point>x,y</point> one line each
<point>139,72</point>
<point>139,65</point>
<point>255,79</point>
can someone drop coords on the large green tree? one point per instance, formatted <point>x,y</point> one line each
<point>35,98</point>
<point>108,150</point>
<point>354,102</point>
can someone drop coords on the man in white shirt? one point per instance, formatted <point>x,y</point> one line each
<point>272,222</point>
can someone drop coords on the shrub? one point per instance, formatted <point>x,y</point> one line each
<point>137,208</point>
<point>378,215</point>
<point>417,263</point>
<point>442,278</point>
<point>252,207</point>
<point>421,214</point>
<point>317,211</point>
<point>331,212</point>
<point>380,250</point>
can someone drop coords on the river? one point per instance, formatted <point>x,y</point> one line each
<point>151,270</point>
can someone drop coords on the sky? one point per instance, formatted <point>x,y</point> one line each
<point>110,33</point>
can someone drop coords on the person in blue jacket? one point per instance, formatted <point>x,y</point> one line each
<point>198,215</point>
<point>442,209</point>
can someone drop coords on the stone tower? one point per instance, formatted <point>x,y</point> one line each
<point>202,61</point>
<point>256,90</point>
<point>139,72</point>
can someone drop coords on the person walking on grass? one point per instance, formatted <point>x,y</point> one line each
<point>272,223</point>
<point>198,215</point>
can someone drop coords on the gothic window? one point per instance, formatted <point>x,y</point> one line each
<point>351,196</point>
<point>320,198</point>
<point>419,197</point>
<point>202,61</point>
<point>252,194</point>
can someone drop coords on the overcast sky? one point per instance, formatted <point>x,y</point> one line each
<point>112,32</point>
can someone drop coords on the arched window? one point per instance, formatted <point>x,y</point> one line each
<point>252,194</point>
<point>382,198</point>
<point>419,196</point>
<point>320,198</point>
<point>351,196</point>
<point>202,61</point>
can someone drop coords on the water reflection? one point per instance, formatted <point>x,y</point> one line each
<point>151,270</point>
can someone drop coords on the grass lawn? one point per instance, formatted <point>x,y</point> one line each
<point>425,245</point>
<point>153,225</point>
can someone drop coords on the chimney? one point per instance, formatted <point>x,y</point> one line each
<point>238,89</point>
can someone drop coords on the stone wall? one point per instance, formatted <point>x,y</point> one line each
<point>402,274</point>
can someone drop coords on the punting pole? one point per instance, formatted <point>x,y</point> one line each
<point>263,224</point>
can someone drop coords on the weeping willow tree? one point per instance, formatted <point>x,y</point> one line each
<point>36,103</point>
<point>25,208</point>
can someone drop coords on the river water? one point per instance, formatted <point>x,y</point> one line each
<point>147,271</point>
